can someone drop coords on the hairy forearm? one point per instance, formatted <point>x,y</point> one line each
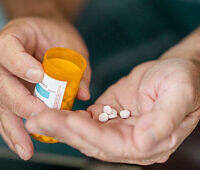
<point>67,9</point>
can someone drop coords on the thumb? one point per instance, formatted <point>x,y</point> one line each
<point>84,91</point>
<point>168,112</point>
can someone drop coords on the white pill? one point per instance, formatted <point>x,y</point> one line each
<point>112,116</point>
<point>103,117</point>
<point>114,111</point>
<point>107,109</point>
<point>124,114</point>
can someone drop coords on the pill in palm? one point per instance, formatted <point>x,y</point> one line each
<point>103,117</point>
<point>107,109</point>
<point>114,111</point>
<point>124,114</point>
<point>112,116</point>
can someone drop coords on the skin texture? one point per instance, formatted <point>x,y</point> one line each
<point>163,95</point>
<point>23,43</point>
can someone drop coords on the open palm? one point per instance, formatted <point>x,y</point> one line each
<point>163,97</point>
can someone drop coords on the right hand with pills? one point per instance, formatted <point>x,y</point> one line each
<point>157,107</point>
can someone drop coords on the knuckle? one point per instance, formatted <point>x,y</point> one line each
<point>26,104</point>
<point>39,106</point>
<point>18,108</point>
<point>16,64</point>
<point>5,40</point>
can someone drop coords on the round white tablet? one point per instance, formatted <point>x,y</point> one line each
<point>112,116</point>
<point>114,111</point>
<point>124,114</point>
<point>103,117</point>
<point>107,109</point>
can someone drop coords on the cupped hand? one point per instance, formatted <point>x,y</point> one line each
<point>23,43</point>
<point>163,97</point>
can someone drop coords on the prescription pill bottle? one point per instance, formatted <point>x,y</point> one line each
<point>63,70</point>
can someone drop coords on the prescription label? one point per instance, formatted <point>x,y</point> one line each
<point>50,91</point>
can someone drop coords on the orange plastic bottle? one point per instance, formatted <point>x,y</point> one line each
<point>63,70</point>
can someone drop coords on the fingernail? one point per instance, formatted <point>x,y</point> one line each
<point>20,151</point>
<point>34,74</point>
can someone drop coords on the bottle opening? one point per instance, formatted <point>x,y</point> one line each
<point>62,63</point>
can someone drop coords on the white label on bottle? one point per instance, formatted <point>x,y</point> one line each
<point>51,91</point>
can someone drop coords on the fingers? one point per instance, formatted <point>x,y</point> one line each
<point>15,58</point>
<point>6,139</point>
<point>16,98</point>
<point>185,129</point>
<point>76,130</point>
<point>167,114</point>
<point>167,146</point>
<point>84,91</point>
<point>15,135</point>
<point>95,110</point>
<point>108,143</point>
<point>53,123</point>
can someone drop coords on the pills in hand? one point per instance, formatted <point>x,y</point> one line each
<point>114,111</point>
<point>107,109</point>
<point>103,117</point>
<point>112,116</point>
<point>124,114</point>
<point>110,113</point>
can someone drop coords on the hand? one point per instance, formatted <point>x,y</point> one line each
<point>164,97</point>
<point>23,43</point>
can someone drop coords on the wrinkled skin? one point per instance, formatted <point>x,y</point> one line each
<point>23,43</point>
<point>163,96</point>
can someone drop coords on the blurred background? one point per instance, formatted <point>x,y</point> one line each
<point>115,32</point>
